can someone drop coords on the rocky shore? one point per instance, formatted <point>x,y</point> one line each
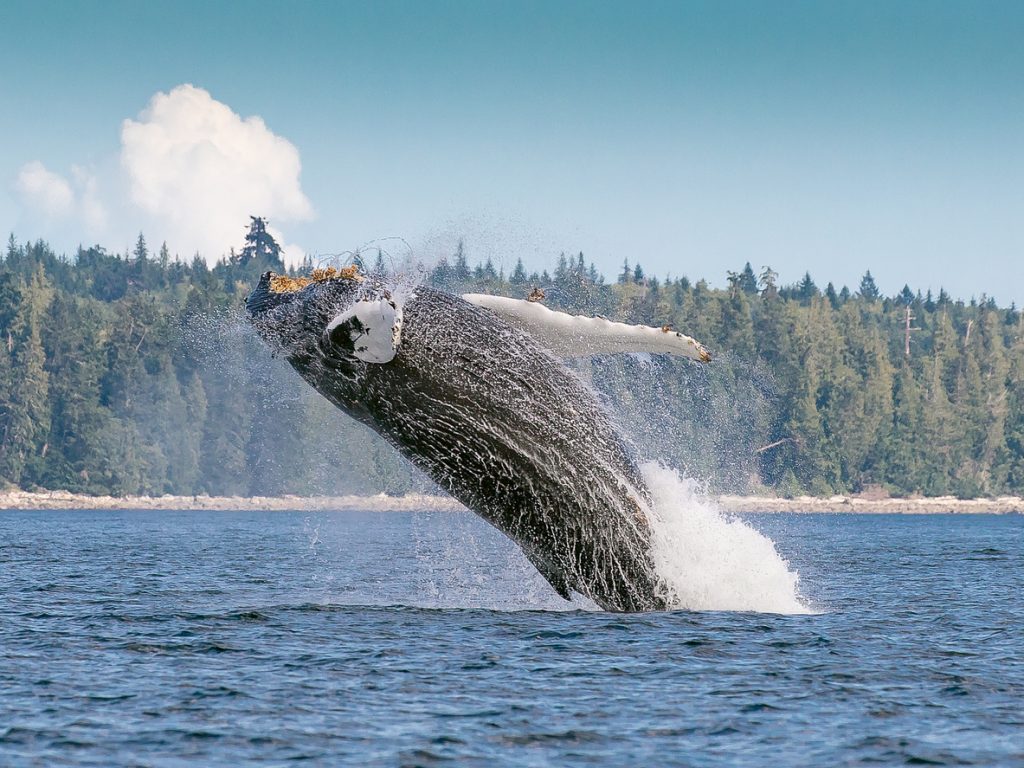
<point>934,505</point>
<point>378,503</point>
<point>421,502</point>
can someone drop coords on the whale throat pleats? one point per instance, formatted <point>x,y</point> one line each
<point>577,336</point>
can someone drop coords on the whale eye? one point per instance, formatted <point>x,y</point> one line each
<point>343,334</point>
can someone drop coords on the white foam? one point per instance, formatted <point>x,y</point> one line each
<point>711,561</point>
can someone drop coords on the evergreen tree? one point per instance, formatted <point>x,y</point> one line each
<point>518,277</point>
<point>462,273</point>
<point>832,296</point>
<point>26,412</point>
<point>806,289</point>
<point>747,280</point>
<point>442,275</point>
<point>903,466</point>
<point>562,268</point>
<point>868,290</point>
<point>940,428</point>
<point>738,325</point>
<point>261,251</point>
<point>1015,414</point>
<point>626,276</point>
<point>140,252</point>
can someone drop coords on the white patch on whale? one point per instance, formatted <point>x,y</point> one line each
<point>377,332</point>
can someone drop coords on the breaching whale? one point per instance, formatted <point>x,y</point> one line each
<point>470,390</point>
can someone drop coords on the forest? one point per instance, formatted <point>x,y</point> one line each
<point>136,373</point>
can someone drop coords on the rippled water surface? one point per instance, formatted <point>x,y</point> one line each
<point>197,638</point>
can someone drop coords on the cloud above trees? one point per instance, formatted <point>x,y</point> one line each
<point>43,189</point>
<point>189,166</point>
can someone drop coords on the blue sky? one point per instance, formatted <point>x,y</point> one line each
<point>693,137</point>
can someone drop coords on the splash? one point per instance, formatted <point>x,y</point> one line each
<point>710,561</point>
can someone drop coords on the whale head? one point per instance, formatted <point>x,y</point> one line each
<point>332,327</point>
<point>288,312</point>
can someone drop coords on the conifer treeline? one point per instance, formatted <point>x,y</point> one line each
<point>134,373</point>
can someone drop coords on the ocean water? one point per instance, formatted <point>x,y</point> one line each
<point>231,638</point>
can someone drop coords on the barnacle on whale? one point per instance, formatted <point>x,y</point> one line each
<point>286,284</point>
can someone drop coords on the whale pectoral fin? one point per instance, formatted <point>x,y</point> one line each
<point>369,330</point>
<point>577,336</point>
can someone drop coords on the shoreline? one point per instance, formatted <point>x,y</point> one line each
<point>64,500</point>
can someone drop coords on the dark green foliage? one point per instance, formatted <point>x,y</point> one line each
<point>136,373</point>
<point>261,252</point>
<point>806,289</point>
<point>518,277</point>
<point>747,281</point>
<point>868,290</point>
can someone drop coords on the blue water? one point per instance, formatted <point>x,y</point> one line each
<point>196,638</point>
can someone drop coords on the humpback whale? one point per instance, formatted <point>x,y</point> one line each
<point>471,389</point>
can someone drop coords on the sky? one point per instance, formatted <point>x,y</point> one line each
<point>829,137</point>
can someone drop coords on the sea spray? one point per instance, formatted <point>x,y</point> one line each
<point>710,561</point>
<point>707,559</point>
<point>462,562</point>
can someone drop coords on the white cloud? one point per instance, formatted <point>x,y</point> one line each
<point>200,170</point>
<point>57,201</point>
<point>291,253</point>
<point>190,171</point>
<point>91,209</point>
<point>45,191</point>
